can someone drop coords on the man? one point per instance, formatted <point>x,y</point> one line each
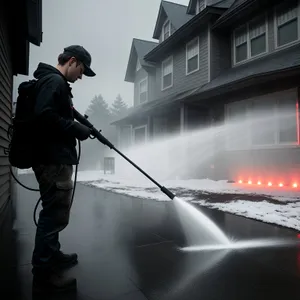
<point>54,157</point>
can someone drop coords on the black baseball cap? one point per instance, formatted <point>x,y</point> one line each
<point>83,56</point>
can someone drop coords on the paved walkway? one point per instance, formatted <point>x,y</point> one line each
<point>128,249</point>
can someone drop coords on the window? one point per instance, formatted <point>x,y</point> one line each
<point>125,137</point>
<point>236,125</point>
<point>140,135</point>
<point>166,30</point>
<point>250,39</point>
<point>287,23</point>
<point>200,5</point>
<point>167,73</point>
<point>262,121</point>
<point>138,65</point>
<point>268,120</point>
<point>143,91</point>
<point>192,56</point>
<point>258,36</point>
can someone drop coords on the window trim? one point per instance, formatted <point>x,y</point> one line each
<point>140,127</point>
<point>197,9</point>
<point>144,79</point>
<point>186,56</point>
<point>119,135</point>
<point>138,65</point>
<point>249,144</point>
<point>162,73</point>
<point>276,28</point>
<point>169,30</point>
<point>250,58</point>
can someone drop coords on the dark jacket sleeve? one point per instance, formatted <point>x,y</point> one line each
<point>46,108</point>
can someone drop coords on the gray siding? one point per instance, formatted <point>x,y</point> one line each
<point>140,75</point>
<point>220,54</point>
<point>181,81</point>
<point>6,81</point>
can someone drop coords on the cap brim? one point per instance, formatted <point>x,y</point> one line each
<point>88,72</point>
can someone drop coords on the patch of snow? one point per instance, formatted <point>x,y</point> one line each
<point>283,213</point>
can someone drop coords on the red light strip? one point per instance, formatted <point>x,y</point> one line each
<point>268,183</point>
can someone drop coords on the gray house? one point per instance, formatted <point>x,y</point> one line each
<point>232,65</point>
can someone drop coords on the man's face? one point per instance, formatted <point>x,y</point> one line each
<point>75,70</point>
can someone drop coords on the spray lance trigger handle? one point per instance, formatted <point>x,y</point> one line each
<point>94,132</point>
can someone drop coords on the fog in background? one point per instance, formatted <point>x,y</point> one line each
<point>106,30</point>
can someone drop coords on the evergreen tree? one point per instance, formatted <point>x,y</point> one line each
<point>119,108</point>
<point>98,112</point>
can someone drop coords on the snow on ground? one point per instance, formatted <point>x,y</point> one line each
<point>277,206</point>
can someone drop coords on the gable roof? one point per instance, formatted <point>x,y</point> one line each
<point>175,12</point>
<point>139,48</point>
<point>225,4</point>
<point>184,33</point>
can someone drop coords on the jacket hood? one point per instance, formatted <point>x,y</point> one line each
<point>44,70</point>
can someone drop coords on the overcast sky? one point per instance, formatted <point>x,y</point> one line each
<point>106,29</point>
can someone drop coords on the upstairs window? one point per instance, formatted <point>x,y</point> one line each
<point>138,65</point>
<point>200,5</point>
<point>143,88</point>
<point>250,40</point>
<point>192,56</point>
<point>287,23</point>
<point>241,44</point>
<point>166,30</point>
<point>167,73</point>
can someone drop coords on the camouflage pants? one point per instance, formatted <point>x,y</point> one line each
<point>56,187</point>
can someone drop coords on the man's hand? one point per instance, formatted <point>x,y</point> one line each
<point>81,132</point>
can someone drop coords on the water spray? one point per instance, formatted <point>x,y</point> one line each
<point>97,134</point>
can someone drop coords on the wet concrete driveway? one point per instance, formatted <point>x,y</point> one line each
<point>128,249</point>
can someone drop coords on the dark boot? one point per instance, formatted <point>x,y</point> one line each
<point>62,260</point>
<point>52,282</point>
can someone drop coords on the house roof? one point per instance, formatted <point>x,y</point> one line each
<point>184,33</point>
<point>175,12</point>
<point>139,48</point>
<point>225,4</point>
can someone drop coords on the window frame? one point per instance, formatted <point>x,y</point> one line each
<point>140,82</point>
<point>140,127</point>
<point>249,57</point>
<point>186,56</point>
<point>162,73</point>
<point>277,47</point>
<point>138,65</point>
<point>163,30</point>
<point>197,9</point>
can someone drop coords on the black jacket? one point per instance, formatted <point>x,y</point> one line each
<point>54,131</point>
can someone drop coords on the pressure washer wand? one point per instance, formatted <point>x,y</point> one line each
<point>96,133</point>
